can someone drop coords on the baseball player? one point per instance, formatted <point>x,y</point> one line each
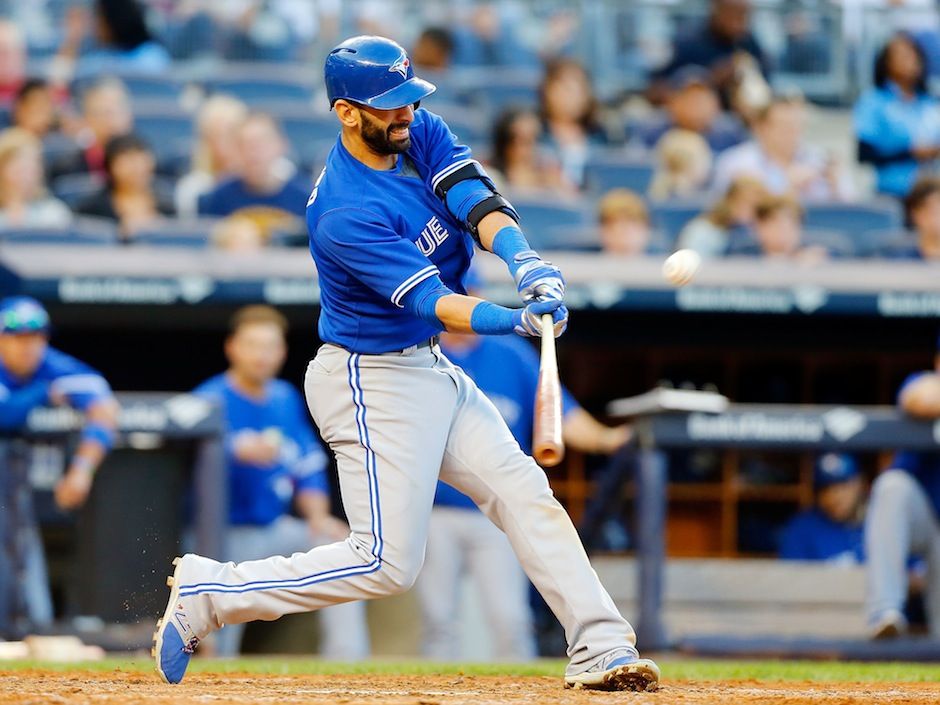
<point>33,374</point>
<point>393,219</point>
<point>275,461</point>
<point>904,519</point>
<point>461,540</point>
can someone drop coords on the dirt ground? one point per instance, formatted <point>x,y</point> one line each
<point>44,688</point>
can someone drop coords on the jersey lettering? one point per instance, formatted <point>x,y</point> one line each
<point>433,235</point>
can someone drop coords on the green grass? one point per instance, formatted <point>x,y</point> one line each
<point>673,669</point>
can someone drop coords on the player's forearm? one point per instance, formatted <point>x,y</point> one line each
<point>456,314</point>
<point>491,224</point>
<point>922,397</point>
<point>97,435</point>
<point>583,432</point>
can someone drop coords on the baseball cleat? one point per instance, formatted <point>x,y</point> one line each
<point>174,641</point>
<point>890,624</point>
<point>621,673</point>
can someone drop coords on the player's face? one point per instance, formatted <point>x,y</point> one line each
<point>386,131</point>
<point>840,501</point>
<point>21,353</point>
<point>257,351</point>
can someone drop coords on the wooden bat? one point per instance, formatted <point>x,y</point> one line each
<point>548,448</point>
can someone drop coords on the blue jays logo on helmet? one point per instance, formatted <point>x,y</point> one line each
<point>373,71</point>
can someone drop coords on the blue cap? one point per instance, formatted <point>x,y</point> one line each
<point>373,71</point>
<point>22,314</point>
<point>833,468</point>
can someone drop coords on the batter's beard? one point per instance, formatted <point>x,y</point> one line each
<point>378,139</point>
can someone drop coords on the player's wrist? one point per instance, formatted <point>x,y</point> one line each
<point>511,246</point>
<point>83,465</point>
<point>491,319</point>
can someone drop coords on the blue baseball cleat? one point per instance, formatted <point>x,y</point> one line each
<point>174,641</point>
<point>619,670</point>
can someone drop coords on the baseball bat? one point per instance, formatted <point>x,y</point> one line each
<point>547,445</point>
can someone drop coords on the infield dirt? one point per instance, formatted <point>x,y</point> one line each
<point>34,687</point>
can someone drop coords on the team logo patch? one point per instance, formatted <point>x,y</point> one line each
<point>400,66</point>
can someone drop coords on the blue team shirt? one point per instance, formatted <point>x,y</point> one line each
<point>259,495</point>
<point>81,385</point>
<point>924,466</point>
<point>232,195</point>
<point>506,369</point>
<point>813,536</point>
<point>375,235</point>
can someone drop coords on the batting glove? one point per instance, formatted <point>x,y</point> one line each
<point>538,279</point>
<point>529,322</point>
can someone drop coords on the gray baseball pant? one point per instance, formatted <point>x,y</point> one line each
<point>396,422</point>
<point>901,522</point>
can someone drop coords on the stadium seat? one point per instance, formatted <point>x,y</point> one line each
<point>543,214</point>
<point>499,89</point>
<point>854,218</point>
<point>195,232</point>
<point>671,217</point>
<point>153,88</point>
<point>889,244</point>
<point>579,239</point>
<point>310,136</point>
<point>82,231</point>
<point>72,189</point>
<point>169,134</point>
<point>259,92</point>
<point>604,172</point>
<point>836,242</point>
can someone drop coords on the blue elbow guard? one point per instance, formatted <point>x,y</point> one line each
<point>422,300</point>
<point>100,434</point>
<point>470,195</point>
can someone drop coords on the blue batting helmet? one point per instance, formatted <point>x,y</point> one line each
<point>23,314</point>
<point>373,71</point>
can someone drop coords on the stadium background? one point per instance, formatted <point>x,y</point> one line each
<point>150,310</point>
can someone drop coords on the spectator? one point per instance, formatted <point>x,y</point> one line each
<point>570,115</point>
<point>710,234</point>
<point>267,186</point>
<point>485,34</point>
<point>724,46</point>
<point>693,104</point>
<point>518,157</point>
<point>779,156</point>
<point>129,196</point>
<point>275,462</point>
<point>238,233</point>
<point>683,165</point>
<point>904,519</point>
<point>122,43</point>
<point>12,61</point>
<point>897,122</point>
<point>832,529</point>
<point>215,156</point>
<point>106,113</point>
<point>923,213</point>
<point>778,229</point>
<point>624,223</point>
<point>23,198</point>
<point>433,50</point>
<point>34,108</point>
<point>33,374</point>
<point>461,539</point>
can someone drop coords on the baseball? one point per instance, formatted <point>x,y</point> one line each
<point>681,266</point>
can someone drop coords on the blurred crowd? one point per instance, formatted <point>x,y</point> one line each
<point>114,136</point>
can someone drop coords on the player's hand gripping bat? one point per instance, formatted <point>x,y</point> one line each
<point>547,445</point>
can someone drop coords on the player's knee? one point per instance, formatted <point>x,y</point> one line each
<point>400,576</point>
<point>893,486</point>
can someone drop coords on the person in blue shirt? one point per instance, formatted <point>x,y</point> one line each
<point>33,374</point>
<point>832,530</point>
<point>267,186</point>
<point>275,465</point>
<point>904,519</point>
<point>897,121</point>
<point>461,540</point>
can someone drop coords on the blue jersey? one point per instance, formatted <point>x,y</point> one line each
<point>80,385</point>
<point>924,466</point>
<point>375,235</point>
<point>260,494</point>
<point>506,369</point>
<point>813,536</point>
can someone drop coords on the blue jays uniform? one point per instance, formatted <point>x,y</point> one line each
<point>375,235</point>
<point>813,536</point>
<point>259,495</point>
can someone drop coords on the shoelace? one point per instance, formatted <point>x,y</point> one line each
<point>191,645</point>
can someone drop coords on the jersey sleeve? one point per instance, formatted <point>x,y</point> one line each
<point>81,385</point>
<point>309,469</point>
<point>438,147</point>
<point>371,252</point>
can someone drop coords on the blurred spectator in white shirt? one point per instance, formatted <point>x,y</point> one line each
<point>710,234</point>
<point>779,156</point>
<point>215,155</point>
<point>23,198</point>
<point>683,165</point>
